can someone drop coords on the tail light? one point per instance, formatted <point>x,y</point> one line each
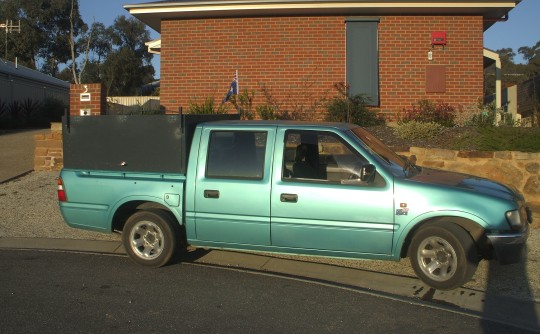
<point>62,197</point>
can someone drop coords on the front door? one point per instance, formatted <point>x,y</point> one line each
<point>319,202</point>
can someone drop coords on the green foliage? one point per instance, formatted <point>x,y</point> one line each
<point>485,116</point>
<point>243,103</point>
<point>53,109</point>
<point>483,119</point>
<point>45,34</point>
<point>429,112</point>
<point>273,110</point>
<point>208,106</point>
<point>30,113</point>
<point>268,112</point>
<point>500,139</point>
<point>351,109</point>
<point>418,130</point>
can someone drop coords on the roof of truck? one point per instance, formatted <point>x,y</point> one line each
<point>279,123</point>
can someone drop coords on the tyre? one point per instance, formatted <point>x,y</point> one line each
<point>150,237</point>
<point>443,255</point>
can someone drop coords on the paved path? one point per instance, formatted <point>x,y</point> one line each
<point>17,153</point>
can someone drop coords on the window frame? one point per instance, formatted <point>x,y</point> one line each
<point>369,58</point>
<point>235,177</point>
<point>318,133</point>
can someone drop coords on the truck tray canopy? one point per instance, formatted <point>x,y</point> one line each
<point>131,143</point>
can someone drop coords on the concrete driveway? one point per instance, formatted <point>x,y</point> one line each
<point>17,153</point>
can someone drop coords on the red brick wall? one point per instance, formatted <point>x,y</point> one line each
<point>98,99</point>
<point>404,42</point>
<point>286,54</point>
<point>300,58</point>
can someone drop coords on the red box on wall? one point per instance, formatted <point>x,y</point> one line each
<point>438,38</point>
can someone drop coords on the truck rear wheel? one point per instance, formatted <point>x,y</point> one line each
<point>150,237</point>
<point>443,255</point>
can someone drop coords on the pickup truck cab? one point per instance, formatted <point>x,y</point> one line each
<point>324,189</point>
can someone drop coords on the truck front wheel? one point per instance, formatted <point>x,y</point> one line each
<point>443,255</point>
<point>150,237</point>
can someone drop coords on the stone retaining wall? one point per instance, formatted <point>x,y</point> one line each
<point>48,153</point>
<point>518,169</point>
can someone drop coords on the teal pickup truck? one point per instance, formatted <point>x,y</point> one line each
<point>323,189</point>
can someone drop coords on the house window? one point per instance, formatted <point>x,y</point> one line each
<point>363,58</point>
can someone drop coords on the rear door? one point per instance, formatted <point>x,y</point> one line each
<point>232,193</point>
<point>318,201</point>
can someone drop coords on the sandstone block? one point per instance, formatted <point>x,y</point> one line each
<point>433,164</point>
<point>39,162</point>
<point>503,155</point>
<point>418,151</point>
<point>436,153</point>
<point>40,151</point>
<point>502,172</point>
<point>475,154</point>
<point>532,186</point>
<point>56,126</point>
<point>532,167</point>
<point>526,156</point>
<point>51,144</point>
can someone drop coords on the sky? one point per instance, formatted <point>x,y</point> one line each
<point>522,28</point>
<point>105,11</point>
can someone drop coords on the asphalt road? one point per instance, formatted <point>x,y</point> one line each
<point>71,292</point>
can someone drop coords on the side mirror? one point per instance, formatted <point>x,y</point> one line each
<point>367,173</point>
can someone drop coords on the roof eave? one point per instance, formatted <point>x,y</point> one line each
<point>153,13</point>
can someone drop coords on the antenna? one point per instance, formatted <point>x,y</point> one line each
<point>10,28</point>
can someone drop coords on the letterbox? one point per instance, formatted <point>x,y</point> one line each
<point>438,38</point>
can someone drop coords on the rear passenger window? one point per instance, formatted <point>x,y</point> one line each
<point>236,154</point>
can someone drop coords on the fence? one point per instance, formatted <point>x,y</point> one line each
<point>133,105</point>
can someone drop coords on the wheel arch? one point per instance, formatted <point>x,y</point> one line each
<point>473,228</point>
<point>128,208</point>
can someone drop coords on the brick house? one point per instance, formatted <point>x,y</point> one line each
<point>394,52</point>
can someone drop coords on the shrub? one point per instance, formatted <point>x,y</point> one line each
<point>5,117</point>
<point>350,109</point>
<point>267,112</point>
<point>508,139</point>
<point>243,103</point>
<point>429,112</point>
<point>53,109</point>
<point>208,106</point>
<point>418,130</point>
<point>274,110</point>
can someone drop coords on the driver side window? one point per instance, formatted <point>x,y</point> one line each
<point>321,156</point>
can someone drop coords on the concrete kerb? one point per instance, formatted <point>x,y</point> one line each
<point>508,310</point>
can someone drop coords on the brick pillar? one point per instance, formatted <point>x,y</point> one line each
<point>89,97</point>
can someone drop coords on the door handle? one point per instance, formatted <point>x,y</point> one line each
<point>211,194</point>
<point>289,198</point>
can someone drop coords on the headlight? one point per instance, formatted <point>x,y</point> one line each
<point>514,219</point>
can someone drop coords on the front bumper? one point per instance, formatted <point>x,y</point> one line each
<point>509,248</point>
